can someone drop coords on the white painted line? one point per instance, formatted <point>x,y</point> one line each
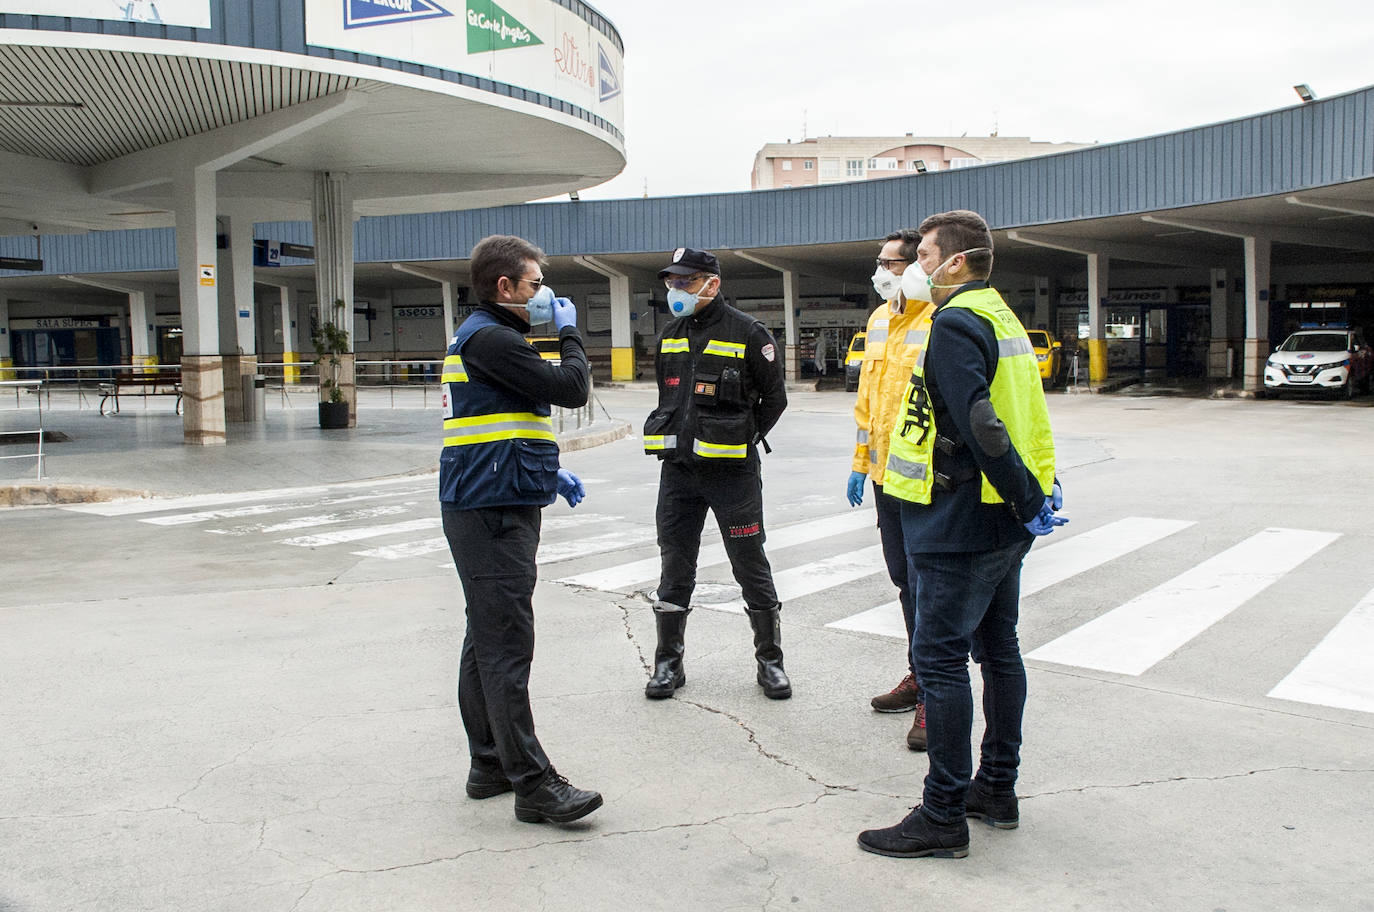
<point>553,552</point>
<point>407,549</point>
<point>1339,672</point>
<point>310,522</point>
<point>817,576</point>
<point>1133,637</point>
<point>192,501</point>
<point>624,576</point>
<point>182,519</point>
<point>576,520</point>
<point>349,535</point>
<point>885,620</point>
<point>1055,563</point>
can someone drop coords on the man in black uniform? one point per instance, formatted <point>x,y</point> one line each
<point>720,390</point>
<point>498,469</point>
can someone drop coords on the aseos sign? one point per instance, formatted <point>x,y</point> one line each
<point>538,45</point>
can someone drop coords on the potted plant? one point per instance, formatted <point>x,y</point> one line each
<point>331,341</point>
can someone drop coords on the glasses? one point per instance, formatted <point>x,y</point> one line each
<point>537,283</point>
<point>682,282</point>
<point>888,264</point>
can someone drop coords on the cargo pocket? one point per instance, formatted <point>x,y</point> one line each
<point>656,442</point>
<point>722,437</point>
<point>536,469</point>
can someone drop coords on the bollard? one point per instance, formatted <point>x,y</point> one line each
<point>259,397</point>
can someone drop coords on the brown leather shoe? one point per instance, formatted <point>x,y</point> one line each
<point>916,738</point>
<point>902,698</point>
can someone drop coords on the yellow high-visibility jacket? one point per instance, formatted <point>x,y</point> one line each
<point>894,341</point>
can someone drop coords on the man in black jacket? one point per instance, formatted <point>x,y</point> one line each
<point>720,390</point>
<point>498,469</point>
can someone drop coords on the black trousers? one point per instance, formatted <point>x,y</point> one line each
<point>494,550</point>
<point>734,493</point>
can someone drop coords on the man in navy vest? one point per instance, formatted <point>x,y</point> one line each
<point>498,469</point>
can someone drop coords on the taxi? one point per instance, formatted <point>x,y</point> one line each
<point>854,361</point>
<point>550,348</point>
<point>1330,359</point>
<point>1049,357</point>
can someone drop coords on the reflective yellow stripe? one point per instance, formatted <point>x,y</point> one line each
<point>660,442</point>
<point>673,346</point>
<point>724,349</point>
<point>720,450</point>
<point>454,372</point>
<point>501,426</point>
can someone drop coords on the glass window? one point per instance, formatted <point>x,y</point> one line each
<point>830,168</point>
<point>787,164</point>
<point>808,165</point>
<point>854,167</point>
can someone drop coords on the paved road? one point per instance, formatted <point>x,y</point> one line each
<point>244,699</point>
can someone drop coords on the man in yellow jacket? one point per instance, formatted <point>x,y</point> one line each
<point>896,333</point>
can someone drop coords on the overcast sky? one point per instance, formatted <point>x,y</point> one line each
<point>707,82</point>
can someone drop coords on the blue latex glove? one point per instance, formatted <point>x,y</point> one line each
<point>1045,521</point>
<point>855,489</point>
<point>564,313</point>
<point>570,487</point>
<point>1056,497</point>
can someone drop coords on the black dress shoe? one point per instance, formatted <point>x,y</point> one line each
<point>486,784</point>
<point>918,837</point>
<point>555,801</point>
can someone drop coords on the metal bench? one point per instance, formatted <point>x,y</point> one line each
<point>159,384</point>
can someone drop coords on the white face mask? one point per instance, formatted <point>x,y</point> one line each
<point>886,284</point>
<point>917,286</point>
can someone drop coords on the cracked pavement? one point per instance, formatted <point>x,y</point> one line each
<point>252,730</point>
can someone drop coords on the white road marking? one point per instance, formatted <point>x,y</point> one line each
<point>553,552</point>
<point>348,535</point>
<point>885,620</point>
<point>1056,562</point>
<point>1339,671</point>
<point>310,522</point>
<point>192,501</point>
<point>183,519</point>
<point>407,549</point>
<point>817,576</point>
<point>626,575</point>
<point>1133,637</point>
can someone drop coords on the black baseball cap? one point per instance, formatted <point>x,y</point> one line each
<point>687,261</point>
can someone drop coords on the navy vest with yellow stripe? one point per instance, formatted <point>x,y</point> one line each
<point>499,449</point>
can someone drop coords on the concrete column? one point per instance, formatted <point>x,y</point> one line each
<point>140,330</point>
<point>6,344</point>
<point>236,303</point>
<point>202,369</point>
<point>450,292</point>
<point>1097,320</point>
<point>1256,310</point>
<point>792,365</point>
<point>1221,318</point>
<point>333,220</point>
<point>622,338</point>
<point>1043,314</point>
<point>289,355</point>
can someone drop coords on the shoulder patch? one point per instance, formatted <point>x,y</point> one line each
<point>768,351</point>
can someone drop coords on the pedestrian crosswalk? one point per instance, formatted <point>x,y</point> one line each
<point>829,569</point>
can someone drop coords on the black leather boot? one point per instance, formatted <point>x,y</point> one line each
<point>668,674</point>
<point>767,624</point>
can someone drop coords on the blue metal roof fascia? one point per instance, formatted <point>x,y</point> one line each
<point>279,25</point>
<point>1317,144</point>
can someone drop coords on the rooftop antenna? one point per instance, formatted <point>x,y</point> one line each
<point>803,124</point>
<point>994,123</point>
<point>646,188</point>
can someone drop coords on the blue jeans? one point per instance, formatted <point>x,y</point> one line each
<point>968,603</point>
<point>894,555</point>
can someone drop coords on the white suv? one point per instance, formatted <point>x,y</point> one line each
<point>1334,360</point>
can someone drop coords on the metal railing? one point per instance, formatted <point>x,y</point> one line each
<point>293,385</point>
<point>34,387</point>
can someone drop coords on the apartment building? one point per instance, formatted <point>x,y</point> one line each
<point>838,159</point>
